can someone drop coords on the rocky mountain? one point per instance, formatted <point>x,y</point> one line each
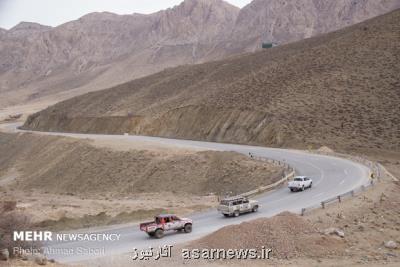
<point>283,21</point>
<point>101,50</point>
<point>339,89</point>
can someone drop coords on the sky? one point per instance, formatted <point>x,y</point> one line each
<point>56,12</point>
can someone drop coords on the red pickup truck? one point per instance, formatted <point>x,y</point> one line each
<point>166,222</point>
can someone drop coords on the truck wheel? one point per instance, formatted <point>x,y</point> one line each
<point>226,215</point>
<point>291,189</point>
<point>236,213</point>
<point>310,185</point>
<point>151,234</point>
<point>255,208</point>
<point>188,228</point>
<point>159,233</point>
<point>302,188</point>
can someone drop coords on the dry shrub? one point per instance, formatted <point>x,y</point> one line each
<point>7,206</point>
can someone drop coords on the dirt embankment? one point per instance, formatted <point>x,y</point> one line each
<point>100,182</point>
<point>65,165</point>
<point>339,89</point>
<point>287,234</point>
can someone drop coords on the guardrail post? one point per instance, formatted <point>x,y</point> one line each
<point>303,210</point>
<point>339,198</point>
<point>323,204</point>
<point>352,193</point>
<point>372,182</point>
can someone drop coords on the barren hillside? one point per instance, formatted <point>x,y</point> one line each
<point>282,21</point>
<point>66,165</point>
<point>104,49</point>
<point>94,183</point>
<point>101,50</point>
<point>339,89</point>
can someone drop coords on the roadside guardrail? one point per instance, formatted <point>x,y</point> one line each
<point>289,173</point>
<point>265,188</point>
<point>375,176</point>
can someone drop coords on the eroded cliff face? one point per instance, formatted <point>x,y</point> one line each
<point>338,89</point>
<point>104,49</point>
<point>101,50</point>
<point>283,21</point>
<point>190,122</point>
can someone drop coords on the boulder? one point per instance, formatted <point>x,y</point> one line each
<point>4,254</point>
<point>40,260</point>
<point>334,231</point>
<point>339,233</point>
<point>391,244</point>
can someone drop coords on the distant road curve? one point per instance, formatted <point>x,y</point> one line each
<point>331,176</point>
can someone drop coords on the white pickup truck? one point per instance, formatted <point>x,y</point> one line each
<point>300,183</point>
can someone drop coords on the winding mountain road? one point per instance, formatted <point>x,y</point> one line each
<point>331,176</point>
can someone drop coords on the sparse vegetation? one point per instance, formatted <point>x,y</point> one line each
<point>71,166</point>
<point>339,89</point>
<point>7,206</point>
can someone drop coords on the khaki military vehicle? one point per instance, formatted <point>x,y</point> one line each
<point>234,206</point>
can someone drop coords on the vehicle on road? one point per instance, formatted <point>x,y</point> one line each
<point>234,206</point>
<point>166,222</point>
<point>300,183</point>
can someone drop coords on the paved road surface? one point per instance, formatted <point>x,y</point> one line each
<point>331,176</point>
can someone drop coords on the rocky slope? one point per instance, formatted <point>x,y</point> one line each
<point>283,21</point>
<point>285,234</point>
<point>103,49</point>
<point>338,89</point>
<point>66,165</point>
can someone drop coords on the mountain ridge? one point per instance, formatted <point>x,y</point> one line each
<point>60,62</point>
<point>335,89</point>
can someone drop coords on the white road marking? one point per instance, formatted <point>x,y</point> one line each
<point>320,171</point>
<point>341,182</point>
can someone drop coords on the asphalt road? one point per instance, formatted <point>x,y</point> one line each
<point>331,176</point>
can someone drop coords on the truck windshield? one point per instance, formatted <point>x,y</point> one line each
<point>225,202</point>
<point>298,179</point>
